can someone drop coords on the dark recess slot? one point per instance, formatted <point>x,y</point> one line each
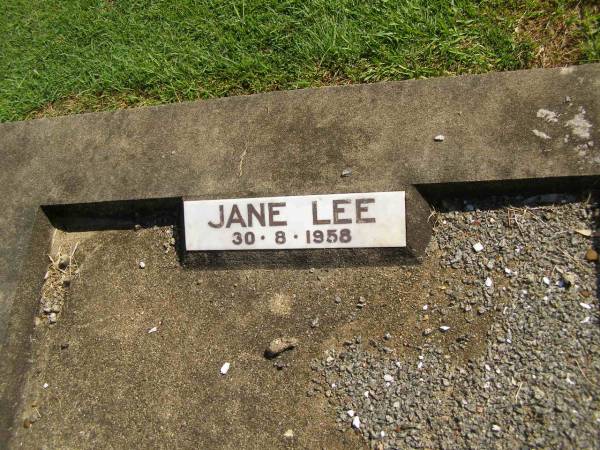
<point>443,196</point>
<point>114,215</point>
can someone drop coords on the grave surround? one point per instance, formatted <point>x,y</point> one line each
<point>288,143</point>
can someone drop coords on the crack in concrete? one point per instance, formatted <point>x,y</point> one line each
<point>241,164</point>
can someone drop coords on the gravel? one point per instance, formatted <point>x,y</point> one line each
<point>534,383</point>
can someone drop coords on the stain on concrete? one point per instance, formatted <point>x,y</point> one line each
<point>547,115</point>
<point>541,134</point>
<point>580,127</point>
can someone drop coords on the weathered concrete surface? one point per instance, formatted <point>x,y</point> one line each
<point>299,142</point>
<point>117,385</point>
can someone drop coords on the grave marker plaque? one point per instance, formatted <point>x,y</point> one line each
<point>357,220</point>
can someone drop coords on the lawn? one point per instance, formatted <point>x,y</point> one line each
<point>63,57</point>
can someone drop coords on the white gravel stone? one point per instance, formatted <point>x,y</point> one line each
<point>356,422</point>
<point>225,368</point>
<point>289,434</point>
<point>142,265</point>
<point>478,246</point>
<point>439,138</point>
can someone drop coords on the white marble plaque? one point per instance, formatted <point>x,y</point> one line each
<point>375,219</point>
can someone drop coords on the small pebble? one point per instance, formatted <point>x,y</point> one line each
<point>478,246</point>
<point>289,434</point>
<point>225,368</point>
<point>568,279</point>
<point>63,262</point>
<point>142,264</point>
<point>346,173</point>
<point>279,345</point>
<point>279,365</point>
<point>439,138</point>
<point>591,255</point>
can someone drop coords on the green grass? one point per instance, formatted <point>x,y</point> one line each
<point>59,57</point>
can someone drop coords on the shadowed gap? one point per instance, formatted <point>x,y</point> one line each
<point>126,214</point>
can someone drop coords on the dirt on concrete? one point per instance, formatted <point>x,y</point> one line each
<point>135,356</point>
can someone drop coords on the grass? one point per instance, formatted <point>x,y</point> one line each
<point>62,57</point>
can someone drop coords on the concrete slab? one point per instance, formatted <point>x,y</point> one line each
<point>529,125</point>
